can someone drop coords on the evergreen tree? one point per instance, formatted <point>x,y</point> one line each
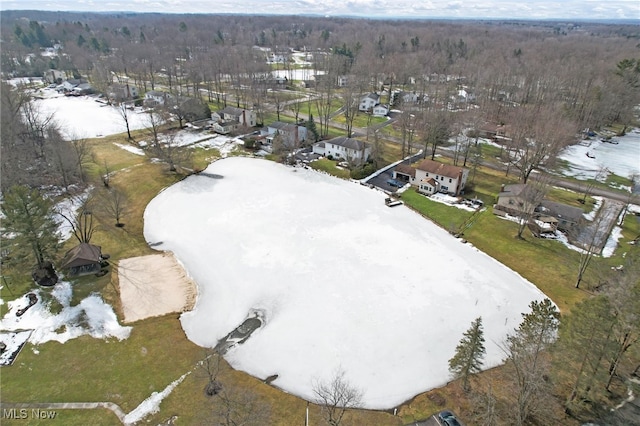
<point>527,362</point>
<point>469,353</point>
<point>31,231</point>
<point>312,129</point>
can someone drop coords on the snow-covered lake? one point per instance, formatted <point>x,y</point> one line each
<point>83,117</point>
<point>621,158</point>
<point>343,281</point>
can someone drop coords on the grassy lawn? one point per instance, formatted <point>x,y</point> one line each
<point>330,167</point>
<point>361,120</point>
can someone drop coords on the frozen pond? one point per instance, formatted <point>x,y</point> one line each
<point>339,280</point>
<point>622,157</point>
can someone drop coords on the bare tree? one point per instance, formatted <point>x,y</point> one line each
<point>81,221</point>
<point>210,366</point>
<point>114,203</point>
<point>336,397</point>
<point>124,111</point>
<point>531,197</point>
<point>237,406</point>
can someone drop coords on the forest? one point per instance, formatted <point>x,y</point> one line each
<point>546,82</point>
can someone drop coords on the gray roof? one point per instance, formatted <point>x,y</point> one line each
<point>82,254</point>
<point>561,211</point>
<point>232,111</point>
<point>349,143</point>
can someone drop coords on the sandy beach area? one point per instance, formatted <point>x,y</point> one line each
<point>154,285</point>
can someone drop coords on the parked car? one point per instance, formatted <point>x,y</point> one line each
<point>395,183</point>
<point>447,418</point>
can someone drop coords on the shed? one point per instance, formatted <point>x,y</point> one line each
<point>83,259</point>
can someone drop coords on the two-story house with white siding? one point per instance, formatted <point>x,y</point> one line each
<point>292,135</point>
<point>231,119</point>
<point>449,179</point>
<point>156,97</point>
<point>369,101</point>
<point>350,149</point>
<point>431,176</point>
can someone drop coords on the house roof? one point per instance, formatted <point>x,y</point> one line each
<point>373,96</point>
<point>231,111</point>
<point>406,169</point>
<point>440,168</point>
<point>513,190</point>
<point>154,93</point>
<point>286,127</point>
<point>561,211</point>
<point>348,143</point>
<point>431,181</point>
<point>82,254</point>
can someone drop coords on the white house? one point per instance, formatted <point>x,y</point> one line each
<point>431,177</point>
<point>52,76</point>
<point>349,149</point>
<point>230,119</point>
<point>244,117</point>
<point>121,92</point>
<point>403,98</point>
<point>380,111</point>
<point>291,134</point>
<point>156,97</point>
<point>369,101</point>
<point>450,179</point>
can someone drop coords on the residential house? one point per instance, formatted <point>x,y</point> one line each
<point>404,173</point>
<point>343,80</point>
<point>428,186</point>
<point>514,200</point>
<point>380,110</point>
<point>291,135</point>
<point>568,217</point>
<point>369,101</point>
<point>349,149</point>
<point>244,117</point>
<point>52,76</point>
<point>154,98</point>
<point>122,92</point>
<point>450,179</point>
<point>83,259</point>
<point>82,89</point>
<point>399,97</point>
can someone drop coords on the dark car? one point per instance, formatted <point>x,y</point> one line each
<point>395,183</point>
<point>447,418</point>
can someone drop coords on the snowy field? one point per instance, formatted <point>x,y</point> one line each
<point>341,280</point>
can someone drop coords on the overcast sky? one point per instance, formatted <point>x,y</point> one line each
<point>510,9</point>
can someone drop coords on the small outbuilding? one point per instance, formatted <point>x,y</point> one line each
<point>83,259</point>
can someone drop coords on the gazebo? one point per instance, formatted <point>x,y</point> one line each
<point>83,259</point>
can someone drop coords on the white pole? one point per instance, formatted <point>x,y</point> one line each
<point>306,419</point>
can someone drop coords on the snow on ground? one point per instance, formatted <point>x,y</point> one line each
<point>612,243</point>
<point>342,280</point>
<point>224,144</point>
<point>83,117</point>
<point>151,405</point>
<point>131,149</point>
<point>91,316</point>
<point>69,207</point>
<point>596,208</point>
<point>621,158</point>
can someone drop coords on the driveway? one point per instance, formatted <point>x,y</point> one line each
<point>431,421</point>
